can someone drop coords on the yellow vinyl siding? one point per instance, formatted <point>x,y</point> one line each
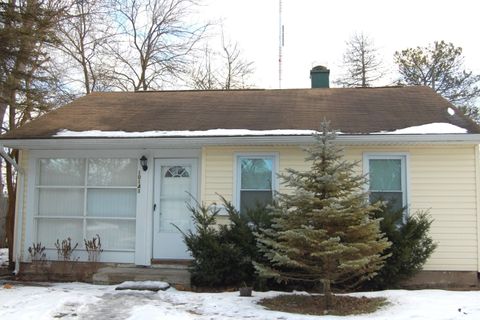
<point>219,172</point>
<point>441,179</point>
<point>454,169</point>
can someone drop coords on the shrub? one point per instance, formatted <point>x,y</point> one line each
<point>65,249</point>
<point>37,252</point>
<point>38,256</point>
<point>411,246</point>
<point>94,248</point>
<point>223,254</point>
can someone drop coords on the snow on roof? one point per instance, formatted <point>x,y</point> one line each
<point>432,128</point>
<point>183,133</point>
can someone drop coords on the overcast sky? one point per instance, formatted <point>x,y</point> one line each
<point>316,31</point>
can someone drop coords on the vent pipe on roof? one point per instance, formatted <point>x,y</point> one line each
<point>320,77</point>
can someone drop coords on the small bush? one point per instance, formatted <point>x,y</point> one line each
<point>65,249</point>
<point>94,248</point>
<point>411,246</point>
<point>37,252</point>
<point>223,255</point>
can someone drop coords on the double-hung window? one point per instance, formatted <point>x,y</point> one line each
<point>387,179</point>
<point>82,197</point>
<point>255,181</point>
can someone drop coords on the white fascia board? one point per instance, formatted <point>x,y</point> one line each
<point>183,142</point>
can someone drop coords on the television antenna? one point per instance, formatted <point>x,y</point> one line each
<point>281,42</point>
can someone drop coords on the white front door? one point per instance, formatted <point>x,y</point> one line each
<point>175,185</point>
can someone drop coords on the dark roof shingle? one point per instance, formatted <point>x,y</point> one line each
<point>350,110</point>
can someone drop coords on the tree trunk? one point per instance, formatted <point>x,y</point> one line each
<point>10,221</point>
<point>327,294</point>
<point>3,215</point>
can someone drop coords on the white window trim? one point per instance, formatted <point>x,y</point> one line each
<point>237,172</point>
<point>405,179</point>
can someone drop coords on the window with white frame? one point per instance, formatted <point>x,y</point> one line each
<point>387,179</point>
<point>255,181</point>
<point>82,197</point>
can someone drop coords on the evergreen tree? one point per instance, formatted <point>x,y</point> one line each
<point>223,254</point>
<point>323,232</point>
<point>410,249</point>
<point>362,63</point>
<point>440,66</point>
<point>28,86</point>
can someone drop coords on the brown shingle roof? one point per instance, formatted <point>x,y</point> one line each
<point>354,111</point>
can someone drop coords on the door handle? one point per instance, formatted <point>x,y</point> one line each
<point>154,207</point>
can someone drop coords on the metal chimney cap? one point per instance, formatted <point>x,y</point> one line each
<point>320,69</point>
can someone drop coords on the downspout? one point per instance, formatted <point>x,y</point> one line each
<point>18,231</point>
<point>477,195</point>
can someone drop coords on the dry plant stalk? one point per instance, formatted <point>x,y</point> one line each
<point>65,249</point>
<point>94,248</point>
<point>37,252</point>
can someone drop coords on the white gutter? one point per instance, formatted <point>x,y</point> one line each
<point>18,230</point>
<point>183,142</point>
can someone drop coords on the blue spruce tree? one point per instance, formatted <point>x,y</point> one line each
<point>323,232</point>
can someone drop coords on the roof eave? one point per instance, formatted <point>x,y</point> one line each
<point>191,142</point>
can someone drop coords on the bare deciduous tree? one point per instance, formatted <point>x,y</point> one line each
<point>238,69</point>
<point>153,42</point>
<point>362,63</point>
<point>84,32</point>
<point>203,76</point>
<point>223,70</point>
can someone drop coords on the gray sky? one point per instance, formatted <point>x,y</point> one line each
<point>316,31</point>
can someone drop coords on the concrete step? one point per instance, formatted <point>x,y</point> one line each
<point>175,275</point>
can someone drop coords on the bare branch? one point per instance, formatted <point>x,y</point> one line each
<point>84,34</point>
<point>153,42</point>
<point>222,70</point>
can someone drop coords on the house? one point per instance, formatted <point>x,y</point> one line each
<point>122,164</point>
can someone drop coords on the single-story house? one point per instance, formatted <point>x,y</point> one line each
<point>122,164</point>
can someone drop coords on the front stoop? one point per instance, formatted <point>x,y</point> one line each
<point>173,274</point>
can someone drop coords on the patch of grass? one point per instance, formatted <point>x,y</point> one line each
<point>315,304</point>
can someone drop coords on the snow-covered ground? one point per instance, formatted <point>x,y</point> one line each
<point>3,257</point>
<point>84,301</point>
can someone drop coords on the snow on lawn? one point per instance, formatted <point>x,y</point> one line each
<point>3,257</point>
<point>84,301</point>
